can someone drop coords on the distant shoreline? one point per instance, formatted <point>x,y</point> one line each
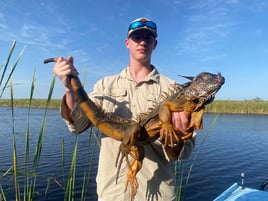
<point>35,103</point>
<point>218,106</point>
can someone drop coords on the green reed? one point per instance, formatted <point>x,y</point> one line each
<point>16,184</point>
<point>4,72</point>
<point>4,84</point>
<point>180,165</point>
<point>30,166</point>
<point>27,186</point>
<point>87,174</point>
<point>69,191</point>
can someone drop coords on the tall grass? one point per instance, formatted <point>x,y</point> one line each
<point>4,85</point>
<point>29,179</point>
<point>183,172</point>
<point>255,106</point>
<point>6,66</point>
<point>28,170</point>
<point>25,188</point>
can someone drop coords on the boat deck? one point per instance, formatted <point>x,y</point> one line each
<point>239,193</point>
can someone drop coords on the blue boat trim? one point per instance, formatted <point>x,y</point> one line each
<point>239,193</point>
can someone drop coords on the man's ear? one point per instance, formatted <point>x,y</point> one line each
<point>127,42</point>
<point>155,43</point>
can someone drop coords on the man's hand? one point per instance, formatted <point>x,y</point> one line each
<point>180,121</point>
<point>63,69</point>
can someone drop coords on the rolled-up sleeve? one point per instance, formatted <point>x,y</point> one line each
<point>76,120</point>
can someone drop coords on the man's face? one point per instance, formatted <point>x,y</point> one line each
<point>141,44</point>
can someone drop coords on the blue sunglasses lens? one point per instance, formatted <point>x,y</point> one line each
<point>138,24</point>
<point>151,24</point>
<point>135,25</point>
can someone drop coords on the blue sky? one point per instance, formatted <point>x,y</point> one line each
<point>227,36</point>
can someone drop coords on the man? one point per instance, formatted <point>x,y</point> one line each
<point>133,91</point>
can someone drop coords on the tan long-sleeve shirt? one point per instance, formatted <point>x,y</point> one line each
<point>122,96</point>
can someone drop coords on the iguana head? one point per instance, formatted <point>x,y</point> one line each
<point>203,87</point>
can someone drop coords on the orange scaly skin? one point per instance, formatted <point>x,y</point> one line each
<point>190,98</point>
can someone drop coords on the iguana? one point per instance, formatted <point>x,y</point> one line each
<point>190,98</point>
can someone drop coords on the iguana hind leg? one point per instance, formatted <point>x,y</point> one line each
<point>137,154</point>
<point>123,152</point>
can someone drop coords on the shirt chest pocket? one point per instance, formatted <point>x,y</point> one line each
<point>116,101</point>
<point>152,102</point>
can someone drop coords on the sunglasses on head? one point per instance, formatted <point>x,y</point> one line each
<point>138,24</point>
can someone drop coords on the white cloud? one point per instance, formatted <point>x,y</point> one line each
<point>200,38</point>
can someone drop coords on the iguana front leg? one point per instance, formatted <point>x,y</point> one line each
<point>168,133</point>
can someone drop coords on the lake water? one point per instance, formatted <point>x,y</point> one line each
<point>224,149</point>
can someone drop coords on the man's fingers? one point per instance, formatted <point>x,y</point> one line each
<point>70,59</point>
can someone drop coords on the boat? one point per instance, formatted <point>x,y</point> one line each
<point>238,192</point>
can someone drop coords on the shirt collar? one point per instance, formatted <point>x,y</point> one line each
<point>152,76</point>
